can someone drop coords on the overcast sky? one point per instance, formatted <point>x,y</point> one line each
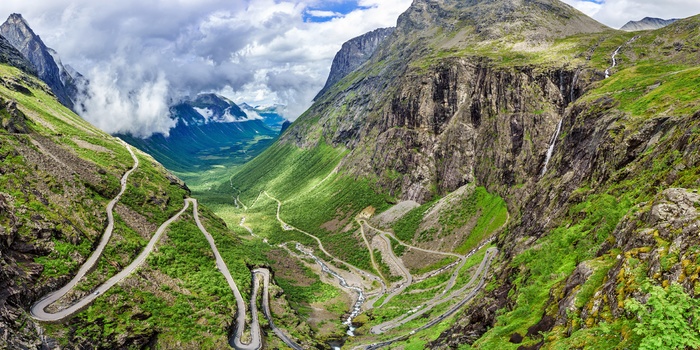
<point>141,55</point>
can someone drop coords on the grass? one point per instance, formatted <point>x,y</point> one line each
<point>487,210</point>
<point>553,260</point>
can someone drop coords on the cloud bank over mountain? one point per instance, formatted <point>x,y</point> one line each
<point>142,56</point>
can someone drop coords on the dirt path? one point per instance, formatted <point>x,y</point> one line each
<point>371,251</point>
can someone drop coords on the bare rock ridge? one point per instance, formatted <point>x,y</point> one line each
<point>353,54</point>
<point>535,21</point>
<point>441,116</point>
<point>647,23</point>
<point>10,55</point>
<point>62,80</point>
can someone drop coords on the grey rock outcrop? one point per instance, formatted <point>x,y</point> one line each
<point>353,54</point>
<point>18,33</point>
<point>10,55</point>
<point>647,23</point>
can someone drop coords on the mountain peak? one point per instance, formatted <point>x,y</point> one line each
<point>353,54</point>
<point>21,28</point>
<point>503,20</point>
<point>647,23</point>
<point>18,33</point>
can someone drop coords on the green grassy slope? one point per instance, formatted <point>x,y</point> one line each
<point>637,135</point>
<point>58,175</point>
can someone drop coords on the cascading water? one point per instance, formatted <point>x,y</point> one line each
<point>614,56</point>
<point>614,62</point>
<point>550,150</point>
<point>357,307</point>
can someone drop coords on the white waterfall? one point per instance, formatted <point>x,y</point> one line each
<point>550,151</point>
<point>614,62</point>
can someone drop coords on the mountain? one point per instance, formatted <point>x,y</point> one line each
<point>110,235</point>
<point>58,175</point>
<point>63,81</point>
<point>581,139</point>
<point>353,54</point>
<point>499,174</point>
<point>647,23</point>
<point>210,131</point>
<point>271,115</point>
<point>9,55</point>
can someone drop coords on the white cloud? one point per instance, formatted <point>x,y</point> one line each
<point>146,54</point>
<point>134,105</point>
<point>258,51</point>
<point>323,14</point>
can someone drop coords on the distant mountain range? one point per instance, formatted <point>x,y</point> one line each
<point>647,23</point>
<point>209,129</point>
<point>270,114</point>
<point>207,126</point>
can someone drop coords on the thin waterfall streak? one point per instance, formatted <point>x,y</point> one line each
<point>550,150</point>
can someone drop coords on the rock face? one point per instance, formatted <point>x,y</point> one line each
<point>353,54</point>
<point>11,118</point>
<point>10,55</point>
<point>44,60</point>
<point>647,23</point>
<point>452,97</point>
<point>429,121</point>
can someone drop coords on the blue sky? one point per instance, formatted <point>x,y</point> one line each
<point>328,10</point>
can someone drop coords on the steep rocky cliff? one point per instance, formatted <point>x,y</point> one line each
<point>353,54</point>
<point>599,174</point>
<point>422,93</point>
<point>11,56</point>
<point>44,60</point>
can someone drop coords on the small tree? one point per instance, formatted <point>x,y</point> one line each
<point>670,319</point>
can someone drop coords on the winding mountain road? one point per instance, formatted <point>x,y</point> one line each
<point>287,227</point>
<point>38,309</point>
<point>407,276</point>
<point>265,273</point>
<point>371,252</point>
<point>455,274</point>
<point>480,274</point>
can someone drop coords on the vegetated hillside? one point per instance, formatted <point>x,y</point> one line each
<point>602,241</point>
<point>57,175</point>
